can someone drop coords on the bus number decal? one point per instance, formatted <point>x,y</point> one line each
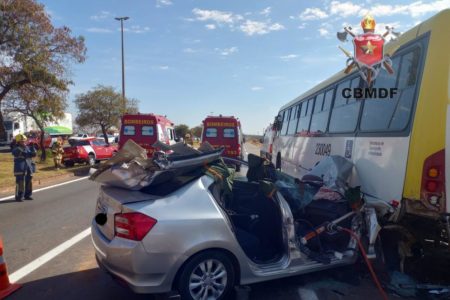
<point>323,149</point>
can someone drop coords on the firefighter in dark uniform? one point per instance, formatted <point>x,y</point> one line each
<point>24,167</point>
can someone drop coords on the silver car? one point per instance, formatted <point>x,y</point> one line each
<point>194,236</point>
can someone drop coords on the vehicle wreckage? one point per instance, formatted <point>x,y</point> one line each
<point>185,221</point>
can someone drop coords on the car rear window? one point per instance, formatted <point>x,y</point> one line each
<point>211,132</point>
<point>129,130</point>
<point>82,143</point>
<point>148,131</point>
<point>229,133</point>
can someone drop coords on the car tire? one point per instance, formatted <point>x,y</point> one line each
<point>238,168</point>
<point>91,160</point>
<point>69,163</point>
<point>196,279</point>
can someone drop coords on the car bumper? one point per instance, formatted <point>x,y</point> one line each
<point>129,262</point>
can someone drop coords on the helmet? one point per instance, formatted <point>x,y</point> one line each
<point>368,23</point>
<point>21,138</point>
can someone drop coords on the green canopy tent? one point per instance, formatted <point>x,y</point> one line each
<point>58,130</point>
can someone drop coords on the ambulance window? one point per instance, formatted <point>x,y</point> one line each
<point>229,133</point>
<point>211,132</point>
<point>129,130</point>
<point>148,130</point>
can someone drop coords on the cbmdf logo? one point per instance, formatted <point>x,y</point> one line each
<point>369,57</point>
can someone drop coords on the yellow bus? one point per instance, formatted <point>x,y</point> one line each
<point>400,147</point>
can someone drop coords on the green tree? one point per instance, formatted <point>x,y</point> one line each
<point>102,107</point>
<point>197,131</point>
<point>181,130</point>
<point>34,57</point>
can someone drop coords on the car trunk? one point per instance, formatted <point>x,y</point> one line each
<point>110,202</point>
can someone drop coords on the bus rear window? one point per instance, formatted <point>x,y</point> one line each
<point>211,132</point>
<point>129,130</point>
<point>148,131</point>
<point>228,133</point>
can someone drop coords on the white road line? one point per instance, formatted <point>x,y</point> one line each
<point>38,262</point>
<point>47,187</point>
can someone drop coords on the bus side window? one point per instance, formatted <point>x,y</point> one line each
<point>305,115</point>
<point>344,116</point>
<point>285,121</point>
<point>393,114</point>
<point>319,120</point>
<point>293,121</point>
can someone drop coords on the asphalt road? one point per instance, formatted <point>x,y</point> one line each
<point>31,229</point>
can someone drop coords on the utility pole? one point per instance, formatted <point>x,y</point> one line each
<point>121,19</point>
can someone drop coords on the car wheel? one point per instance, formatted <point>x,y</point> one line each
<point>208,275</point>
<point>69,164</point>
<point>238,168</point>
<point>91,159</point>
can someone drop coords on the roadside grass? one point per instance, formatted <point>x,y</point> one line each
<point>44,170</point>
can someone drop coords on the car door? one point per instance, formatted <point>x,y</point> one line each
<point>99,148</point>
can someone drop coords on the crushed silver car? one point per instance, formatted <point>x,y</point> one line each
<point>184,221</point>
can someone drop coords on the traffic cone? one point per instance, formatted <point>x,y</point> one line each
<point>6,288</point>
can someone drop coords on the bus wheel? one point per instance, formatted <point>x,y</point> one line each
<point>278,164</point>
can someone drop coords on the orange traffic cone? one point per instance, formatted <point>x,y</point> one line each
<point>6,288</point>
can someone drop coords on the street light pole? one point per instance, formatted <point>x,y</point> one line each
<point>121,19</point>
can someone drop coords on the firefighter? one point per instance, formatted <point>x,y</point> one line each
<point>24,167</point>
<point>188,140</point>
<point>58,152</point>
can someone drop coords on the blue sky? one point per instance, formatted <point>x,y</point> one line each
<point>189,58</point>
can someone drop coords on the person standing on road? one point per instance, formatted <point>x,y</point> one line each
<point>188,140</point>
<point>58,152</point>
<point>24,167</point>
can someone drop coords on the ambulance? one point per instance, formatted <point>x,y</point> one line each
<point>145,130</point>
<point>221,131</point>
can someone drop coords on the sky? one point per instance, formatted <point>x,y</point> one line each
<point>191,58</point>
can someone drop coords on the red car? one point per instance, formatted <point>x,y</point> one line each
<point>88,151</point>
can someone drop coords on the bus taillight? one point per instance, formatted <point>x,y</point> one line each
<point>433,180</point>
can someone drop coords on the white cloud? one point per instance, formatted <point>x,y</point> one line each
<point>101,16</point>
<point>136,29</point>
<point>215,15</point>
<point>256,88</point>
<point>323,32</point>
<point>302,26</point>
<point>227,51</point>
<point>236,21</point>
<point>414,9</point>
<point>288,57</point>
<point>313,14</point>
<point>255,27</point>
<point>160,3</point>
<point>189,50</point>
<point>98,30</point>
<point>164,68</point>
<point>344,9</point>
<point>266,11</point>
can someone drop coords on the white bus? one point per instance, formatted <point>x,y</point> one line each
<point>399,146</point>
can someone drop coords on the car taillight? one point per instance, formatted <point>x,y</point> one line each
<point>433,180</point>
<point>132,226</point>
<point>239,149</point>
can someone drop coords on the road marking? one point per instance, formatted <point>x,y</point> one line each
<point>47,187</point>
<point>38,262</point>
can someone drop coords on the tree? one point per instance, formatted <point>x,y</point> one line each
<point>197,131</point>
<point>181,130</point>
<point>102,107</point>
<point>34,57</point>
